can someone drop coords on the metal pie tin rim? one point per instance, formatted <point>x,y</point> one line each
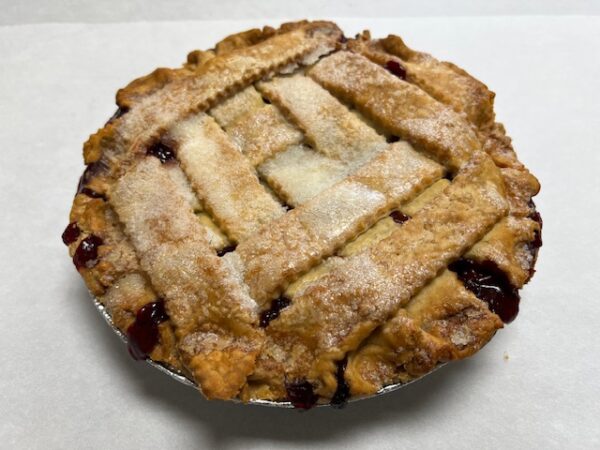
<point>186,381</point>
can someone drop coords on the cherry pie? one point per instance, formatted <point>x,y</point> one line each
<point>297,216</point>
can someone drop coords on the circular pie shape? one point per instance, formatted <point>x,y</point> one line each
<point>294,217</point>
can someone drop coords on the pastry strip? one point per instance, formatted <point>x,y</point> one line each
<point>300,173</point>
<point>443,322</point>
<point>213,316</point>
<point>444,81</point>
<point>327,124</point>
<point>222,177</point>
<point>242,103</point>
<point>333,315</point>
<point>398,107</point>
<point>300,239</point>
<point>258,129</point>
<point>213,80</point>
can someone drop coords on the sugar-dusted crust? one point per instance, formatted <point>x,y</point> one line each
<point>213,316</point>
<point>399,107</point>
<point>444,322</point>
<point>105,161</point>
<point>260,192</point>
<point>338,311</point>
<point>290,246</point>
<point>223,177</point>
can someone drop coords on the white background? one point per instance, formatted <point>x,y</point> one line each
<point>66,380</point>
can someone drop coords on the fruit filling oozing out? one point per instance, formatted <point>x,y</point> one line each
<point>226,250</point>
<point>489,284</point>
<point>342,393</point>
<point>396,68</point>
<point>301,394</point>
<point>273,312</point>
<point>90,172</point>
<point>143,333</point>
<point>86,254</point>
<point>399,217</point>
<point>484,279</point>
<point>161,151</point>
<point>71,233</point>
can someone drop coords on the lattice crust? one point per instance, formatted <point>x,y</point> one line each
<point>443,322</point>
<point>221,176</point>
<point>398,107</point>
<point>258,129</point>
<point>300,173</point>
<point>298,240</point>
<point>336,312</point>
<point>267,120</point>
<point>444,81</point>
<point>340,139</point>
<point>212,313</point>
<point>329,127</point>
<point>210,83</point>
<point>114,259</point>
<point>381,230</point>
<point>233,109</point>
<point>453,86</point>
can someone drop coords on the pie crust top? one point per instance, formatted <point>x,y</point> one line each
<point>298,216</point>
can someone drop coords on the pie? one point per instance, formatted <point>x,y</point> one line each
<point>295,216</point>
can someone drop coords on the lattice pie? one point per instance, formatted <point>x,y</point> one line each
<point>297,216</point>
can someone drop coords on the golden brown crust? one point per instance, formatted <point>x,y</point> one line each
<point>223,178</point>
<point>453,86</point>
<point>443,322</point>
<point>244,39</point>
<point>119,141</point>
<point>294,243</point>
<point>335,313</point>
<point>214,318</point>
<point>147,85</point>
<point>116,256</point>
<point>334,166</point>
<point>398,107</point>
<point>444,81</point>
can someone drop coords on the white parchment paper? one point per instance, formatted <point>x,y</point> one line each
<point>67,382</point>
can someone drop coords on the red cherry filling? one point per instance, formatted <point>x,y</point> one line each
<point>71,233</point>
<point>225,250</point>
<point>273,312</point>
<point>161,151</point>
<point>86,254</point>
<point>395,68</point>
<point>90,171</point>
<point>399,216</point>
<point>536,243</point>
<point>489,284</point>
<point>93,194</point>
<point>142,334</point>
<point>535,216</point>
<point>301,394</point>
<point>342,392</point>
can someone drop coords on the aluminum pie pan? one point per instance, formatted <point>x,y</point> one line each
<point>186,381</point>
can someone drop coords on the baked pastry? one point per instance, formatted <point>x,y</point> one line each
<point>297,216</point>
